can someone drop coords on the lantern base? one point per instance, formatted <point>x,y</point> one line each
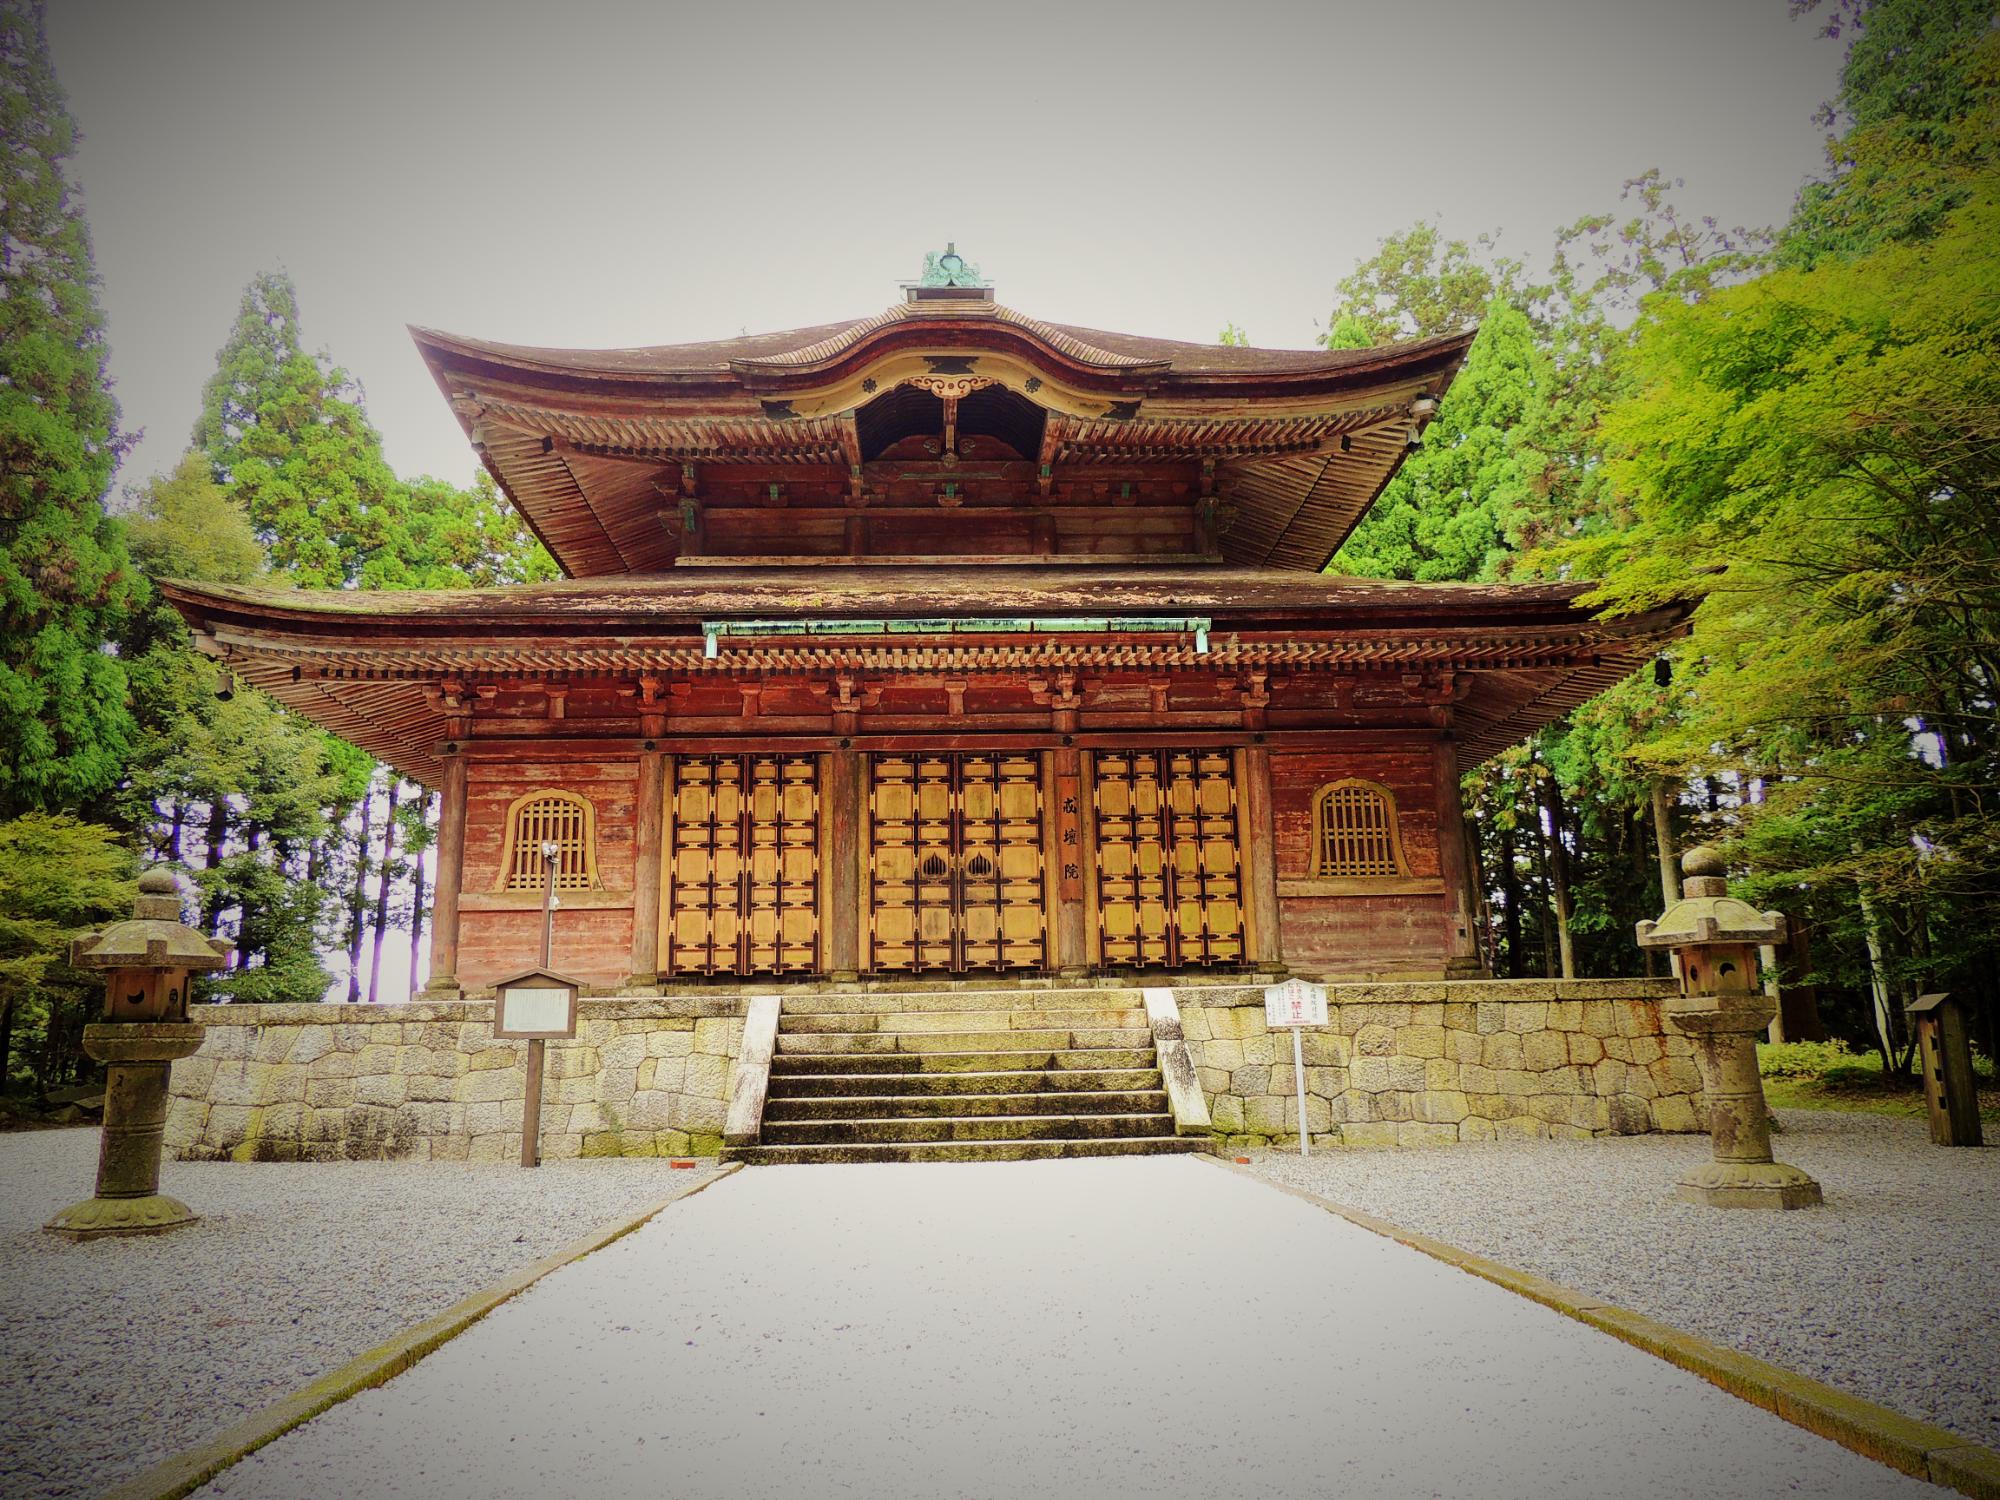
<point>95,1218</point>
<point>1749,1184</point>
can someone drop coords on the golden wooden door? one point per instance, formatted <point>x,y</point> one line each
<point>1169,880</point>
<point>741,888</point>
<point>955,863</point>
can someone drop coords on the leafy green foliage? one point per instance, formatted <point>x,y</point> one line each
<point>1419,284</point>
<point>1918,85</point>
<point>64,581</point>
<point>59,878</point>
<point>185,525</point>
<point>237,765</point>
<point>449,537</point>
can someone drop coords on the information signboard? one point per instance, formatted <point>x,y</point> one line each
<point>1294,1003</point>
<point>526,1011</point>
<point>536,1007</point>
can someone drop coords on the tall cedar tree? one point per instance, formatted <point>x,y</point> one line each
<point>1452,509</point>
<point>286,433</point>
<point>64,580</point>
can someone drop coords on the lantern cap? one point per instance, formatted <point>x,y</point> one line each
<point>154,937</point>
<point>1707,913</point>
<point>1703,859</point>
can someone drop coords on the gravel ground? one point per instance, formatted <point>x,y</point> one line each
<point>117,1353</point>
<point>1888,1291</point>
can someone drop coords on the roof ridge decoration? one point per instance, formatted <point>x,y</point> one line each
<point>949,269</point>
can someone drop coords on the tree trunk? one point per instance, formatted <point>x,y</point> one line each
<point>1482,910</point>
<point>6,1042</point>
<point>1552,804</point>
<point>217,835</point>
<point>1663,844</point>
<point>1510,892</point>
<point>357,899</point>
<point>382,891</point>
<point>173,850</point>
<point>425,802</point>
<point>1543,925</point>
<point>1878,983</point>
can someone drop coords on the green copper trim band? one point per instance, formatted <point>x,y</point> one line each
<point>713,631</point>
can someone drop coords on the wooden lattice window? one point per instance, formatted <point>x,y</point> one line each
<point>1355,831</point>
<point>565,819</point>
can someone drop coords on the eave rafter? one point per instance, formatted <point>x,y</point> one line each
<point>1221,437</point>
<point>680,439</point>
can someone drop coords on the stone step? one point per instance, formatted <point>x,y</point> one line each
<point>918,1085</point>
<point>1041,1150</point>
<point>974,1128</point>
<point>959,1106</point>
<point>926,1022</point>
<point>795,1043</point>
<point>1025,997</point>
<point>885,1061</point>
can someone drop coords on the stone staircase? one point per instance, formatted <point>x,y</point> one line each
<point>964,1076</point>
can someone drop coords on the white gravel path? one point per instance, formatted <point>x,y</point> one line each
<point>1891,1291</point>
<point>117,1353</point>
<point>1105,1328</point>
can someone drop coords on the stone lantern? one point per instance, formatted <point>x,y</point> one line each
<point>148,962</point>
<point>1722,1007</point>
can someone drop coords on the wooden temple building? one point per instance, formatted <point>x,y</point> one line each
<point>941,642</point>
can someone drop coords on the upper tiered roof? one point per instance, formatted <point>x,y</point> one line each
<point>947,425</point>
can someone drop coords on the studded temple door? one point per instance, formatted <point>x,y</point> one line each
<point>955,863</point>
<point>742,877</point>
<point>1169,881</point>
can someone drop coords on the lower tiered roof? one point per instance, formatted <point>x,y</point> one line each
<point>382,669</point>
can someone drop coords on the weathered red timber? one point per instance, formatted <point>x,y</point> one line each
<point>945,641</point>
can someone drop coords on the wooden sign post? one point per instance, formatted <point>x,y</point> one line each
<point>534,1007</point>
<point>1296,1004</point>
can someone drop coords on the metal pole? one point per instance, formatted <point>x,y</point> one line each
<point>549,853</point>
<point>531,1103</point>
<point>1299,1074</point>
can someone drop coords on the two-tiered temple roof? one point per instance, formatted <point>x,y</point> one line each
<point>944,492</point>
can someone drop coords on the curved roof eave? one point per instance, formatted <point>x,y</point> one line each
<point>810,353</point>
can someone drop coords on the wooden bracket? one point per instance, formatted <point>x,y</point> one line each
<point>1256,695</point>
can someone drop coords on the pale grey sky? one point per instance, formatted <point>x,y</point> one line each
<point>598,174</point>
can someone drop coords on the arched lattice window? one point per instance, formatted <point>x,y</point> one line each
<point>562,818</point>
<point>1354,830</point>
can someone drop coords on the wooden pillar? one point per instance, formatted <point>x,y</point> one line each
<point>450,879</point>
<point>1069,858</point>
<point>648,820</point>
<point>1259,840</point>
<point>1461,952</point>
<point>842,780</point>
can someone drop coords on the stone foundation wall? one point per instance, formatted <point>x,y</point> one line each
<point>644,1077</point>
<point>1434,1064</point>
<point>1398,1065</point>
